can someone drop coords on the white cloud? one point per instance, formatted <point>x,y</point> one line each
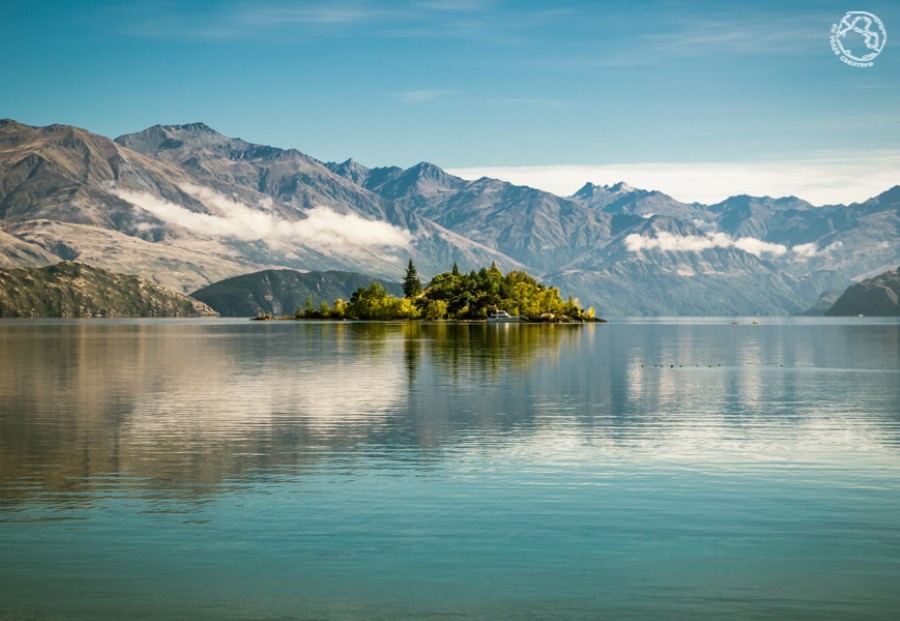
<point>322,227</point>
<point>759,247</point>
<point>696,243</point>
<point>806,251</point>
<point>827,179</point>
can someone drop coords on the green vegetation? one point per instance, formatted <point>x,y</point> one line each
<point>70,289</point>
<point>455,295</point>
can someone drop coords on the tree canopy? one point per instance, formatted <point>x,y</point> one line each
<point>457,295</point>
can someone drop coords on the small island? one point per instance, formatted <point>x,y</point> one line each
<point>455,295</point>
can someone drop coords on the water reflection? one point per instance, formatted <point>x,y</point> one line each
<point>187,408</point>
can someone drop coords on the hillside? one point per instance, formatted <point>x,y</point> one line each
<point>77,290</point>
<point>875,297</point>
<point>281,292</point>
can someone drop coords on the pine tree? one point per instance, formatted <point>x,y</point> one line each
<point>412,286</point>
<point>455,269</point>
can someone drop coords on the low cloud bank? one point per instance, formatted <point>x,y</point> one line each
<point>696,243</point>
<point>323,227</point>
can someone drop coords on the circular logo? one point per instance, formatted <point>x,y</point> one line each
<point>859,38</point>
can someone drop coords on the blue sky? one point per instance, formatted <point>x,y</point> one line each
<point>564,90</point>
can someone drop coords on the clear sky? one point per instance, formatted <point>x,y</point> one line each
<point>561,92</point>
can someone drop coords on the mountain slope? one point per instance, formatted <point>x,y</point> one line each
<point>61,191</point>
<point>189,209</point>
<point>535,228</point>
<point>291,184</point>
<point>852,241</point>
<point>280,292</point>
<point>78,290</point>
<point>637,273</point>
<point>879,296</point>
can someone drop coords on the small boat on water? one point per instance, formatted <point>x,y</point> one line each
<point>501,316</point>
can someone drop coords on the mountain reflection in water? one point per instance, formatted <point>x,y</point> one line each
<point>182,407</point>
<point>185,406</point>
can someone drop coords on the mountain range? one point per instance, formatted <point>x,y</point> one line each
<point>185,206</point>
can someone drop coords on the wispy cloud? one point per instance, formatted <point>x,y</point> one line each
<point>280,14</point>
<point>669,242</point>
<point>284,20</point>
<point>250,20</point>
<point>695,243</point>
<point>828,179</point>
<point>528,101</point>
<point>226,217</point>
<point>675,39</point>
<point>456,5</point>
<point>759,36</point>
<point>421,96</point>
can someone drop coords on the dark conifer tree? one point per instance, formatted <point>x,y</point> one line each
<point>412,286</point>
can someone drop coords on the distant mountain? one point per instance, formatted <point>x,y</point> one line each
<point>874,297</point>
<point>61,194</point>
<point>185,206</point>
<point>533,227</point>
<point>623,199</point>
<point>635,273</point>
<point>825,301</point>
<point>291,186</point>
<point>77,290</point>
<point>280,292</point>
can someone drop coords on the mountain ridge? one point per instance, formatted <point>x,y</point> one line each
<point>185,206</point>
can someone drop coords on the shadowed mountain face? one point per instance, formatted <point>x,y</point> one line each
<point>78,290</point>
<point>281,292</point>
<point>184,206</point>
<point>876,297</point>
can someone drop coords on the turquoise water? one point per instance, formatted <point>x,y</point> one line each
<point>659,469</point>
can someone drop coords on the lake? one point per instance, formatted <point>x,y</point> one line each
<point>642,469</point>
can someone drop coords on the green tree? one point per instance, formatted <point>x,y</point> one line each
<point>339,309</point>
<point>435,310</point>
<point>412,286</point>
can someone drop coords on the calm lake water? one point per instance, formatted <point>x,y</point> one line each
<point>662,469</point>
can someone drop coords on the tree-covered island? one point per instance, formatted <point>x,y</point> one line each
<point>458,296</point>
